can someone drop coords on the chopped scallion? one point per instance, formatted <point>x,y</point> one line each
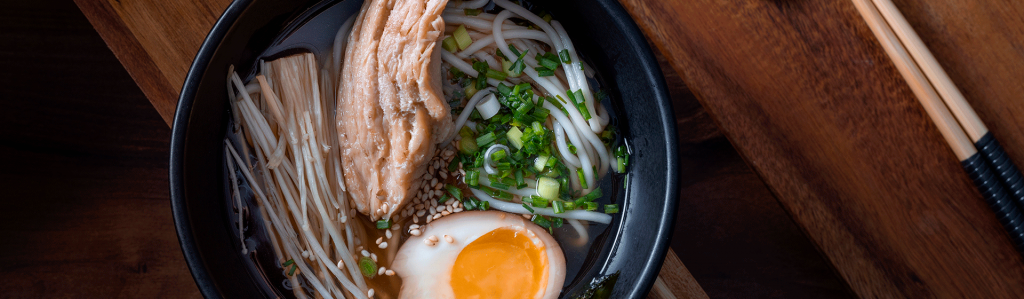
<point>454,191</point>
<point>471,11</point>
<point>473,178</point>
<point>449,44</point>
<point>583,180</point>
<point>528,208</point>
<point>383,224</point>
<point>611,209</point>
<point>486,140</point>
<point>368,267</point>
<point>462,38</point>
<point>564,55</point>
<point>558,206</point>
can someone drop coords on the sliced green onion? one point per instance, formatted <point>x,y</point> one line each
<point>470,91</point>
<point>583,180</point>
<point>540,162</point>
<point>473,178</point>
<point>468,146</point>
<point>498,155</point>
<point>542,221</point>
<point>496,75</point>
<point>621,164</point>
<point>471,11</point>
<point>368,267</point>
<point>449,44</point>
<point>515,136</point>
<point>383,224</point>
<point>484,205</point>
<point>539,202</point>
<point>520,182</point>
<point>569,205</point>
<point>547,188</point>
<point>462,38</point>
<point>558,206</point>
<point>454,191</point>
<point>499,185</point>
<point>470,204</point>
<point>611,209</point>
<point>288,263</point>
<point>453,165</point>
<point>593,195</point>
<point>591,206</point>
<point>564,55</point>
<point>292,271</point>
<point>548,62</point>
<point>486,140</point>
<point>528,208</point>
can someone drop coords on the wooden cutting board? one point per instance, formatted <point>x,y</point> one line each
<point>808,97</point>
<point>157,40</point>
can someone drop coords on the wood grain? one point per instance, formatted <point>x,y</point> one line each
<point>85,202</point>
<point>155,41</point>
<point>811,101</point>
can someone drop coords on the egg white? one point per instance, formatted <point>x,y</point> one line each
<point>426,270</point>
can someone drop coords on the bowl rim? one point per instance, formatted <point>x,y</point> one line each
<point>619,16</point>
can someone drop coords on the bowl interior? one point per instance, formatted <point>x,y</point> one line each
<point>634,246</point>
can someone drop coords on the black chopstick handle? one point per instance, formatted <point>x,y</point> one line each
<point>1003,167</point>
<point>991,188</point>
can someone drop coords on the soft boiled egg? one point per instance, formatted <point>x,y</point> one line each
<point>481,254</point>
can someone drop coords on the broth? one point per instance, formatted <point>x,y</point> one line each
<point>314,31</point>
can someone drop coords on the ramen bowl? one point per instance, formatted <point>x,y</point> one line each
<point>631,248</point>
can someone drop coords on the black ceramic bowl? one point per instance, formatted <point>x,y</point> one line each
<point>633,246</point>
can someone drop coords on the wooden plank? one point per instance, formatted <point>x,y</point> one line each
<point>811,101</point>
<point>157,40</point>
<point>675,281</point>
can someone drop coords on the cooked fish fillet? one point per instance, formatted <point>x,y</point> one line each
<point>391,110</point>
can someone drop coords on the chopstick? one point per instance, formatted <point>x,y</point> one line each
<point>939,95</point>
<point>955,101</point>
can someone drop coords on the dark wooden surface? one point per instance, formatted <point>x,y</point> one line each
<point>813,104</point>
<point>85,203</point>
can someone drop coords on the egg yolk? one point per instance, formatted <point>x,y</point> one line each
<point>503,263</point>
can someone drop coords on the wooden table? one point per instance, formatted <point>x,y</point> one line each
<point>808,99</point>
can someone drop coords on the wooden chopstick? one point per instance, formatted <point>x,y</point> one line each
<point>919,84</point>
<point>940,80</point>
<point>978,157</point>
<point>984,141</point>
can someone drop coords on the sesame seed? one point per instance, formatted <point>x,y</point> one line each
<point>414,232</point>
<point>420,213</point>
<point>437,216</point>
<point>365,253</point>
<point>414,226</point>
<point>384,207</point>
<point>427,176</point>
<point>444,175</point>
<point>432,238</point>
<point>433,181</point>
<point>457,210</point>
<point>388,234</point>
<point>429,219</point>
<point>341,265</point>
<point>389,273</point>
<point>380,271</point>
<point>369,293</point>
<point>437,193</point>
<point>449,209</point>
<point>449,239</point>
<point>373,256</point>
<point>440,208</point>
<point>428,242</point>
<point>383,245</point>
<point>381,239</point>
<point>445,213</point>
